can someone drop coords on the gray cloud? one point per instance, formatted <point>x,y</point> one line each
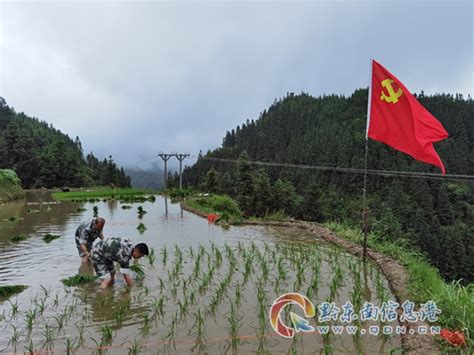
<point>134,78</point>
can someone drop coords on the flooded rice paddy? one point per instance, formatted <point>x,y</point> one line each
<point>206,289</point>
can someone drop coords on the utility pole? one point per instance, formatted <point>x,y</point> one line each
<point>181,157</point>
<point>165,158</point>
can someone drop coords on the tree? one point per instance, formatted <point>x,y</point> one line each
<point>212,181</point>
<point>245,188</point>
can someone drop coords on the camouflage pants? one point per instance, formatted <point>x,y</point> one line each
<point>78,245</point>
<point>103,267</point>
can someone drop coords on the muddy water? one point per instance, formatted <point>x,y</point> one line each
<point>49,316</point>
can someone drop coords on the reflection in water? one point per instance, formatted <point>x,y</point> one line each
<point>169,288</point>
<point>85,268</point>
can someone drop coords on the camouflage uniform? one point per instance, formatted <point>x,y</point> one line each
<point>86,233</point>
<point>106,251</point>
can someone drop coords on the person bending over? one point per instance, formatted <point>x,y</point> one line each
<point>114,249</point>
<point>86,234</point>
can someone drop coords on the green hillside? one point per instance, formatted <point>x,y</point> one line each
<point>43,156</point>
<point>435,216</point>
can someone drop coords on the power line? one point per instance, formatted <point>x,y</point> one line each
<point>386,173</point>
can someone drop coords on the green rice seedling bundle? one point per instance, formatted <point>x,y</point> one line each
<point>78,279</point>
<point>141,228</point>
<point>7,291</point>
<point>48,238</point>
<point>138,270</point>
<point>19,238</point>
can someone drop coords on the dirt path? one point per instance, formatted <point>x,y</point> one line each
<point>395,273</point>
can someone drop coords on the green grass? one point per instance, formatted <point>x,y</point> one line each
<point>10,186</point>
<point>455,301</point>
<point>7,291</point>
<point>105,192</point>
<point>48,238</point>
<point>78,279</point>
<point>223,205</point>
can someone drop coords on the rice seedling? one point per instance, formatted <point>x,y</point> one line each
<point>80,335</point>
<point>41,305</point>
<point>157,307</point>
<point>30,349</point>
<point>164,255</point>
<point>162,284</point>
<point>198,331</point>
<point>56,301</point>
<point>134,347</point>
<point>14,310</point>
<point>218,258</point>
<point>95,210</point>
<point>233,328</point>
<point>60,321</point>
<point>238,295</point>
<point>78,279</point>
<point>15,338</point>
<point>380,289</point>
<point>19,238</point>
<point>151,198</point>
<point>12,219</point>
<point>30,317</point>
<point>32,210</point>
<point>70,345</point>
<point>106,334</point>
<point>183,308</point>
<point>145,328</point>
<point>192,297</point>
<point>48,238</point>
<point>151,257</point>
<point>48,333</point>
<point>336,282</point>
<point>141,228</point>
<point>265,271</point>
<point>120,315</point>
<point>81,209</point>
<point>126,207</point>
<point>47,208</point>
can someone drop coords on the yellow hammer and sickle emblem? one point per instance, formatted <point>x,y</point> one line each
<point>392,95</point>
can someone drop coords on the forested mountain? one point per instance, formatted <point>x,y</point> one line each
<point>42,156</point>
<point>434,215</point>
<point>150,178</point>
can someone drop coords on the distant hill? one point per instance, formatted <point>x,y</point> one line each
<point>435,216</point>
<point>43,156</point>
<point>150,178</point>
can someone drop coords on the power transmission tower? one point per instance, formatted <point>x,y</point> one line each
<point>181,157</point>
<point>165,158</point>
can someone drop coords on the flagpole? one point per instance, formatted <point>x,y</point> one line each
<point>364,198</point>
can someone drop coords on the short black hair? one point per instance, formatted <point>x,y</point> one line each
<point>142,248</point>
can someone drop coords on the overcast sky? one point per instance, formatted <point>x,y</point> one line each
<point>135,78</point>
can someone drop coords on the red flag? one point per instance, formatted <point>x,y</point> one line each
<point>397,119</point>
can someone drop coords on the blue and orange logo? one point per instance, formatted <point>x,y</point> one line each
<point>299,323</point>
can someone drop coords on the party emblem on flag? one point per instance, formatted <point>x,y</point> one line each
<point>392,95</point>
